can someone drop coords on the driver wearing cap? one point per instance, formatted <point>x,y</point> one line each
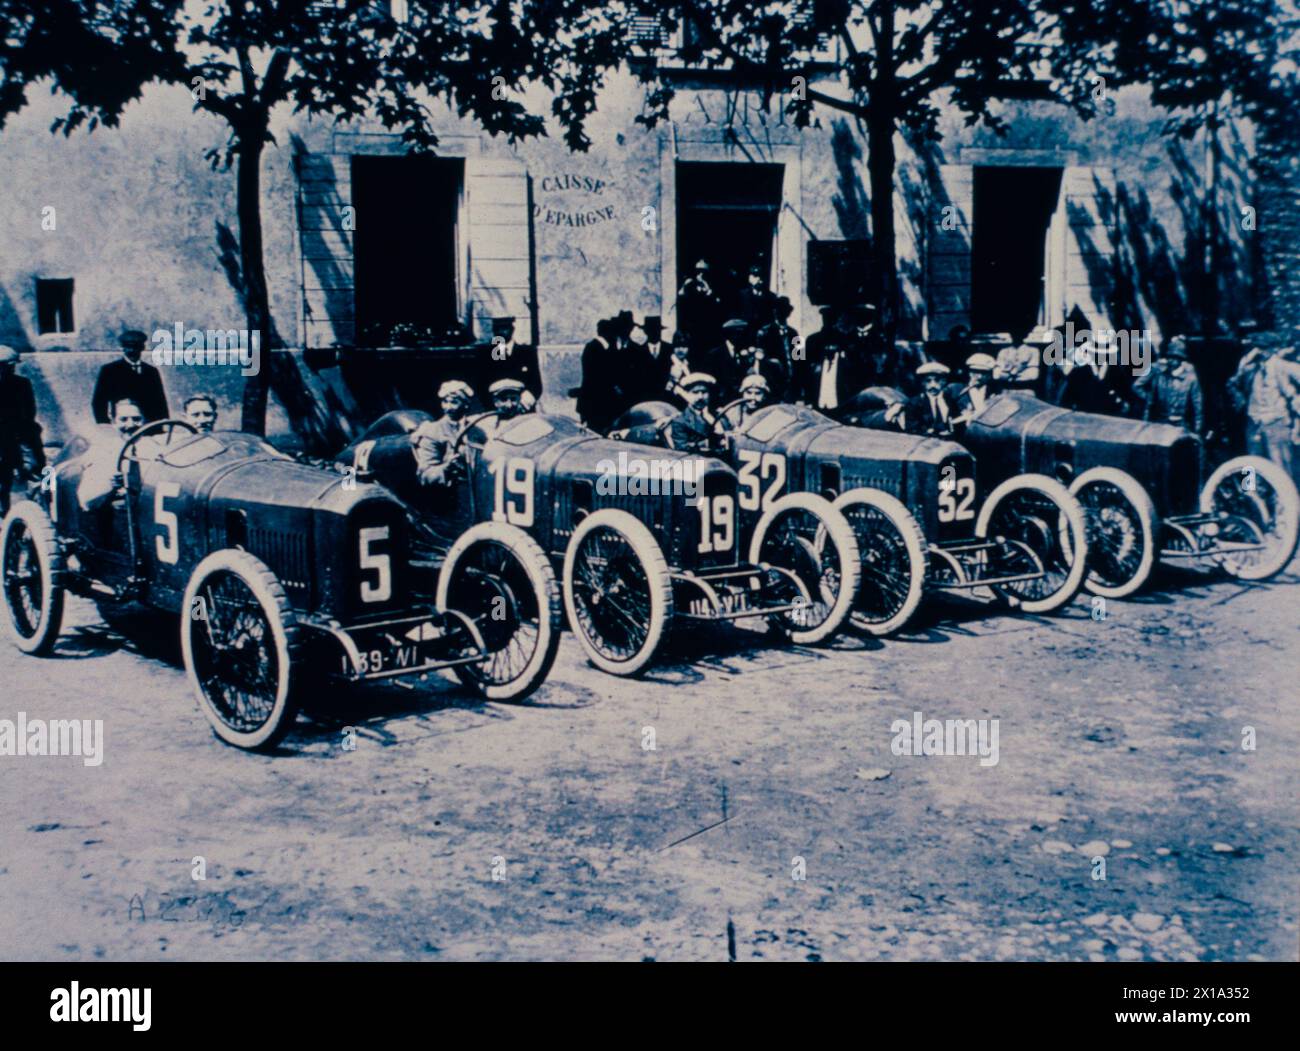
<point>694,429</point>
<point>434,440</point>
<point>100,480</point>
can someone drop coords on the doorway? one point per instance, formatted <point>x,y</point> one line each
<point>727,215</point>
<point>1013,209</point>
<point>405,245</point>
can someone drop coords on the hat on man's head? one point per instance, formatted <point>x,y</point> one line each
<point>133,337</point>
<point>754,380</point>
<point>863,315</point>
<point>502,325</point>
<point>756,270</point>
<point>456,387</point>
<point>1177,348</point>
<point>507,385</point>
<point>696,379</point>
<point>981,363</point>
<point>735,324</point>
<point>653,323</point>
<point>784,308</point>
<point>702,264</point>
<point>8,355</point>
<point>933,368</point>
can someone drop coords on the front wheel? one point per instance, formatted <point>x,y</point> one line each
<point>239,639</point>
<point>1255,502</point>
<point>1122,531</point>
<point>1041,535</point>
<point>892,547</point>
<point>617,591</point>
<point>499,577</point>
<point>803,533</point>
<point>32,563</point>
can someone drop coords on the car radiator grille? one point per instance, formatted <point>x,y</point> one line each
<point>284,553</point>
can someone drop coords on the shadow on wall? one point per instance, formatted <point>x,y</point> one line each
<point>12,330</point>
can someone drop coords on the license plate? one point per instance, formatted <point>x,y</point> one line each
<point>394,650</point>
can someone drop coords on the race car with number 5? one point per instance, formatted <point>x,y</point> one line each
<point>283,575</point>
<point>635,554</point>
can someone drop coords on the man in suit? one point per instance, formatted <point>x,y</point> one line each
<point>132,378</point>
<point>698,311</point>
<point>695,429</point>
<point>1090,386</point>
<point>503,358</point>
<point>726,363</point>
<point>778,340</point>
<point>1170,391</point>
<point>929,412</point>
<point>21,452</point>
<point>756,302</point>
<point>970,400</point>
<point>603,387</point>
<point>656,358</point>
<point>837,372</point>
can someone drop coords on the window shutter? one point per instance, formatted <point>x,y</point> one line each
<point>948,258</point>
<point>500,277</point>
<point>326,249</point>
<point>1090,244</point>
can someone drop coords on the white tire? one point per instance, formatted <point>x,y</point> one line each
<point>1124,530</point>
<point>880,608</point>
<point>1280,523</point>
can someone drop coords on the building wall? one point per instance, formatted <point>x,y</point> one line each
<point>147,228</point>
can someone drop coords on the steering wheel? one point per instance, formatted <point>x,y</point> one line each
<point>152,427</point>
<point>469,426</point>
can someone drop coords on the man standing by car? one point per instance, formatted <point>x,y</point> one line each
<point>604,387</point>
<point>21,452</point>
<point>132,378</point>
<point>1170,391</point>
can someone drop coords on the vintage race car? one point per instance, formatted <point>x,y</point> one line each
<point>912,503</point>
<point>1144,488</point>
<point>283,574</point>
<point>637,548</point>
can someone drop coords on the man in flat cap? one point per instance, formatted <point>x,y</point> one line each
<point>433,440</point>
<point>503,358</point>
<point>22,456</point>
<point>755,394</point>
<point>971,399</point>
<point>129,377</point>
<point>728,363</point>
<point>508,399</point>
<point>929,412</point>
<point>695,428</point>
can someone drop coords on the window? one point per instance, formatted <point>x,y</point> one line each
<point>54,305</point>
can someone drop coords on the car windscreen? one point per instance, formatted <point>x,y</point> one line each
<point>528,430</point>
<point>998,412</point>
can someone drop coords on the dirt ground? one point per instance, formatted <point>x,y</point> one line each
<point>1118,738</point>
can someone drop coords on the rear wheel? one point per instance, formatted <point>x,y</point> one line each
<point>892,547</point>
<point>32,563</point>
<point>617,591</point>
<point>499,577</point>
<point>1041,532</point>
<point>239,639</point>
<point>803,533</point>
<point>1251,491</point>
<point>1122,531</point>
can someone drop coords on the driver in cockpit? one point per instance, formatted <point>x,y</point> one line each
<point>434,440</point>
<point>100,480</point>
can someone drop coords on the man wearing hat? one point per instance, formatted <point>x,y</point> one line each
<point>1267,386</point>
<point>971,399</point>
<point>502,357</point>
<point>654,360</point>
<point>728,362</point>
<point>755,394</point>
<point>929,412</point>
<point>1170,391</point>
<point>433,440</point>
<point>129,377</point>
<point>603,378</point>
<point>778,339</point>
<point>879,362</point>
<point>838,370</point>
<point>756,302</point>
<point>508,399</point>
<point>698,310</point>
<point>21,451</point>
<point>695,428</point>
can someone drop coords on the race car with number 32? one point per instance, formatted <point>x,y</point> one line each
<point>283,575</point>
<point>632,561</point>
<point>913,505</point>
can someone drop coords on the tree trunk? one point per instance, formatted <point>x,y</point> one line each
<point>257,307</point>
<point>881,162</point>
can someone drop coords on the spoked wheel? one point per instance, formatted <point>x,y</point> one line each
<point>803,533</point>
<point>1042,532</point>
<point>1255,501</point>
<point>499,577</point>
<point>1122,531</point>
<point>617,591</point>
<point>32,563</point>
<point>892,547</point>
<point>239,639</point>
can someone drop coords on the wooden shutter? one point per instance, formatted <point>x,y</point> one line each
<point>948,256</point>
<point>499,275</point>
<point>326,248</point>
<point>1090,244</point>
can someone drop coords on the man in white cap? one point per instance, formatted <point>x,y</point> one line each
<point>433,440</point>
<point>971,399</point>
<point>21,451</point>
<point>694,429</point>
<point>755,393</point>
<point>929,412</point>
<point>508,399</point>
